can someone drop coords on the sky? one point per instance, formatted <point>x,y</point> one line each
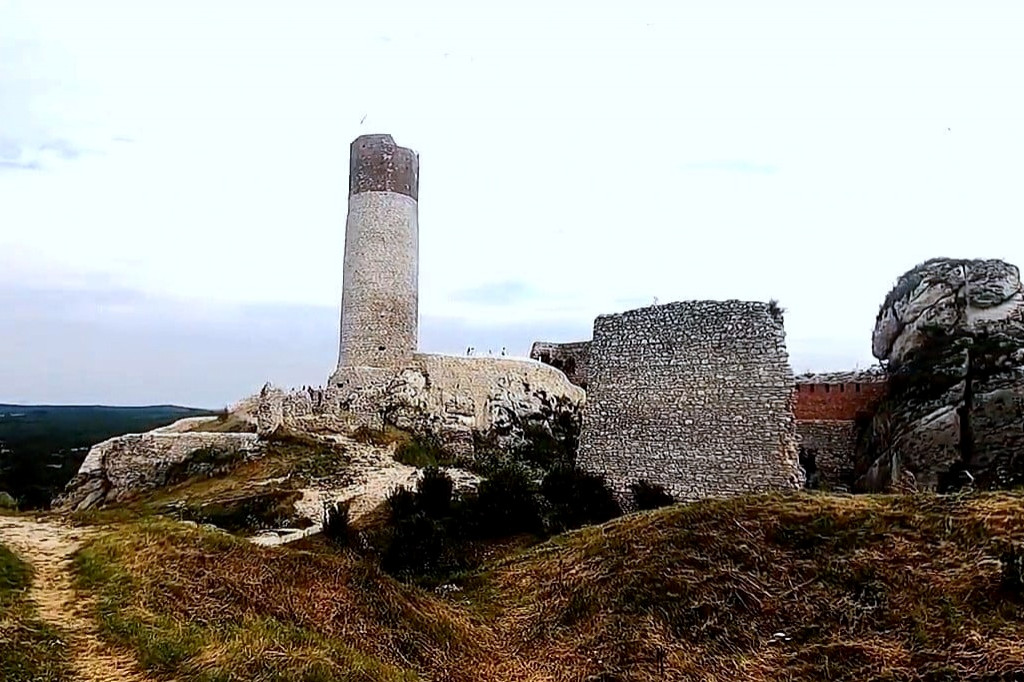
<point>173,176</point>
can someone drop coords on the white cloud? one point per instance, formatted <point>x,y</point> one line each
<point>603,154</point>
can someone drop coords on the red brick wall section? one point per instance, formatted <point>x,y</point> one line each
<point>837,401</point>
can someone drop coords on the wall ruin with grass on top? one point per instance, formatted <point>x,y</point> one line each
<point>695,396</point>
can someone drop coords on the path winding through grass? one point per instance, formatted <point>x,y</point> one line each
<point>48,547</point>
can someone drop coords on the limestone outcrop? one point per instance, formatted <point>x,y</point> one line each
<point>119,467</point>
<point>951,336</point>
<point>467,406</point>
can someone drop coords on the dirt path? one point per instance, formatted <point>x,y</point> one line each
<point>47,547</point>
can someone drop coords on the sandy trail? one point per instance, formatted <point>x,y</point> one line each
<point>47,547</point>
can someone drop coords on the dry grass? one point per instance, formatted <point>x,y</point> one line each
<point>862,588</point>
<point>225,423</point>
<point>206,606</point>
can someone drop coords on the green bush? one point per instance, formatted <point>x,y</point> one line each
<point>434,492</point>
<point>421,453</point>
<point>422,539</point>
<point>506,503</point>
<point>577,498</point>
<point>647,495</point>
<point>432,532</point>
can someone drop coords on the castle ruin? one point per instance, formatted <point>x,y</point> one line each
<point>695,396</point>
<point>380,281</point>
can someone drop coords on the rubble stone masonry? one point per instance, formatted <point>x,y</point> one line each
<point>696,396</point>
<point>572,358</point>
<point>380,294</point>
<point>828,407</point>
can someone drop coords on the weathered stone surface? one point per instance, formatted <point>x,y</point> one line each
<point>695,396</point>
<point>121,466</point>
<point>951,334</point>
<point>827,452</point>
<point>380,293</point>
<point>377,164</point>
<point>466,405</point>
<point>571,358</point>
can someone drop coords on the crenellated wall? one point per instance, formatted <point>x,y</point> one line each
<point>839,395</point>
<point>830,407</point>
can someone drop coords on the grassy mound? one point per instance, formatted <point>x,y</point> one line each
<point>207,606</point>
<point>802,587</point>
<point>30,651</point>
<point>779,587</point>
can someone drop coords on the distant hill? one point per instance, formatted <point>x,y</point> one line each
<point>42,446</point>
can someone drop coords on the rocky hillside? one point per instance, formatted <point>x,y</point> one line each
<point>796,587</point>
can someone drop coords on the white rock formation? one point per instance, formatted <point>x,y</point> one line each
<point>463,404</point>
<point>121,466</point>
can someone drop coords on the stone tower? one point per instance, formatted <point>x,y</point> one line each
<point>379,301</point>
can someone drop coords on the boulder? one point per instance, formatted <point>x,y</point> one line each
<point>951,337</point>
<point>119,467</point>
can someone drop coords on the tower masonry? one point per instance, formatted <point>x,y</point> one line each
<point>379,301</point>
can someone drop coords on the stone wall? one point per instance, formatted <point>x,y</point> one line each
<point>572,358</point>
<point>696,396</point>
<point>839,395</point>
<point>828,447</point>
<point>380,295</point>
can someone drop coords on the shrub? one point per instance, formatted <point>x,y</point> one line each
<point>506,503</point>
<point>577,498</point>
<point>7,501</point>
<point>434,492</point>
<point>402,503</point>
<point>336,522</point>
<point>419,545</point>
<point>1012,559</point>
<point>421,453</point>
<point>647,495</point>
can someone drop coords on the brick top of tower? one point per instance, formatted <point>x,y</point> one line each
<point>377,164</point>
